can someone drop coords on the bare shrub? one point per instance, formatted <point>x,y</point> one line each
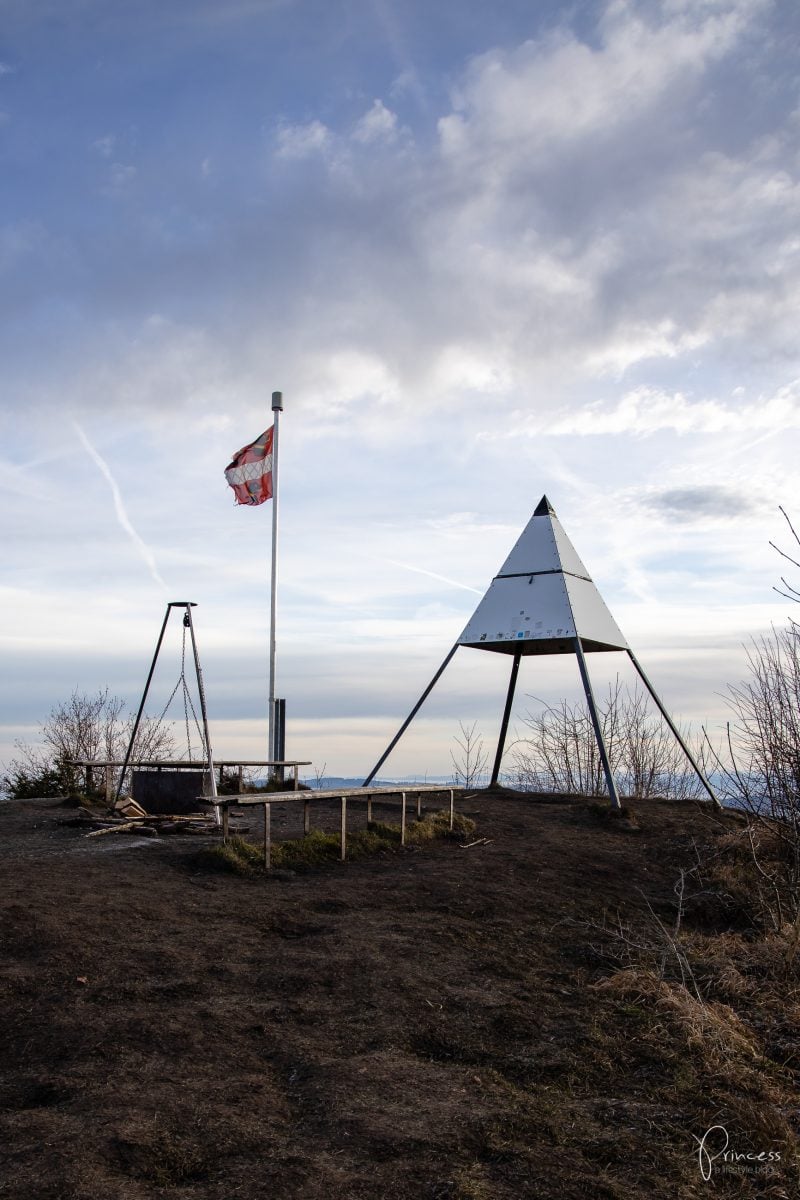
<point>759,767</point>
<point>763,766</point>
<point>82,727</point>
<point>560,753</point>
<point>470,762</point>
<point>791,593</point>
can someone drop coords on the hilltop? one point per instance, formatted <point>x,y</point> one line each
<point>522,1018</point>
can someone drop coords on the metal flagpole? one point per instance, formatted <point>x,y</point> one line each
<point>277,409</point>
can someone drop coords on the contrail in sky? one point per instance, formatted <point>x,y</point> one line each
<point>432,575</point>
<point>119,507</point>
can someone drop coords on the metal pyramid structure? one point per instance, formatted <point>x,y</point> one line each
<point>543,601</point>
<point>542,598</point>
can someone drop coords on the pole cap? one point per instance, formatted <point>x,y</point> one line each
<point>277,401</point>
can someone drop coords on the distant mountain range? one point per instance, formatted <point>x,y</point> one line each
<point>329,782</point>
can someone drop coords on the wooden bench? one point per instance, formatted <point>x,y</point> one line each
<point>267,799</point>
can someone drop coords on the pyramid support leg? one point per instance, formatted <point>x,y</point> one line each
<point>675,731</point>
<point>408,719</point>
<point>512,683</point>
<point>598,733</point>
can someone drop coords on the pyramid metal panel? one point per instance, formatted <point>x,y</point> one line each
<point>592,618</point>
<point>543,546</point>
<point>542,598</point>
<point>570,560</point>
<point>521,615</point>
<point>534,550</point>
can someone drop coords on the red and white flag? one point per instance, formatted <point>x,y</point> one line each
<point>250,471</point>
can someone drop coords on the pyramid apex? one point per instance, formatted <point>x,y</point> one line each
<point>544,508</point>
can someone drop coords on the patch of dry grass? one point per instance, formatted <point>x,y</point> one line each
<point>317,848</point>
<point>711,1028</point>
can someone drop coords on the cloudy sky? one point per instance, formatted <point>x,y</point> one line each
<point>486,251</point>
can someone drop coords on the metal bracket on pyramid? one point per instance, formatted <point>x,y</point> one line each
<point>543,601</point>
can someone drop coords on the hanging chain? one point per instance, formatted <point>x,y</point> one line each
<point>187,701</point>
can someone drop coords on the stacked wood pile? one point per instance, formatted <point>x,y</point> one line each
<point>129,817</point>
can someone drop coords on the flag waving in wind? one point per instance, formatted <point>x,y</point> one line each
<point>250,471</point>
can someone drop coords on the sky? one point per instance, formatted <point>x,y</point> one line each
<point>487,252</point>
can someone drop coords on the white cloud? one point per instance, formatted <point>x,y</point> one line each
<point>300,141</point>
<point>646,411</point>
<point>379,124</point>
<point>120,175</point>
<point>105,145</point>
<point>551,92</point>
<point>342,380</point>
<point>635,341</point>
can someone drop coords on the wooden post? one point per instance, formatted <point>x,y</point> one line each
<point>369,809</point>
<point>306,817</point>
<point>403,820</point>
<point>451,808</point>
<point>419,806</point>
<point>241,778</point>
<point>267,838</point>
<point>343,834</point>
<point>225,822</point>
<point>296,770</point>
<point>109,779</point>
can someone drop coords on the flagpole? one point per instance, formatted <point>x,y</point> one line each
<point>277,409</point>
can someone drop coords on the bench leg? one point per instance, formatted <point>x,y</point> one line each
<point>343,834</point>
<point>267,838</point>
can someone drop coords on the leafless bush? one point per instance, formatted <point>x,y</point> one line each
<point>648,945</point>
<point>762,767</point>
<point>469,764</point>
<point>759,769</point>
<point>82,727</point>
<point>560,752</point>
<point>791,593</point>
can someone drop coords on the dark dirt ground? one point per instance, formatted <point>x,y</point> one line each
<point>422,1025</point>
